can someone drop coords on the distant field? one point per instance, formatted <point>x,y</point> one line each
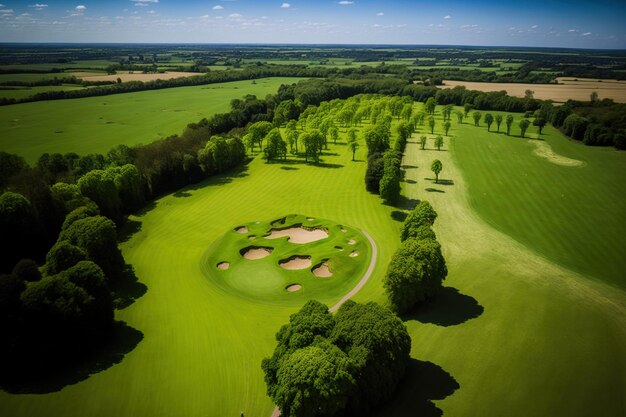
<point>566,89</point>
<point>96,124</point>
<point>23,92</point>
<point>87,64</point>
<point>139,76</point>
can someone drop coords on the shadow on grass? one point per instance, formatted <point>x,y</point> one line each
<point>182,194</point>
<point>286,168</point>
<point>448,308</point>
<point>128,289</point>
<point>409,166</point>
<point>122,340</point>
<point>398,215</point>
<point>410,181</point>
<point>441,181</point>
<point>434,190</point>
<point>127,230</point>
<point>422,383</point>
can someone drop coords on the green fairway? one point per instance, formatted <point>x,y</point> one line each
<point>523,336</point>
<point>96,124</point>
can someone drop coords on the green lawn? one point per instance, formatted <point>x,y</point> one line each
<point>23,92</point>
<point>522,337</point>
<point>96,124</point>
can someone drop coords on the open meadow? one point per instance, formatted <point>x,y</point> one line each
<point>96,124</point>
<point>526,325</point>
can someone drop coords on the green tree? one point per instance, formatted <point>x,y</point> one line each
<point>99,186</point>
<point>467,108</point>
<point>436,168</point>
<point>509,123</point>
<point>489,121</point>
<point>415,273</point>
<point>540,122</point>
<point>498,121</point>
<point>27,270</point>
<point>422,215</point>
<point>459,117</point>
<point>430,106</point>
<point>423,140</point>
<point>407,111</point>
<point>439,142</point>
<point>431,124</point>
<point>353,145</point>
<point>523,125</point>
<point>313,142</point>
<point>333,132</point>
<point>62,256</point>
<point>258,131</point>
<point>476,115</point>
<point>275,145</point>
<point>446,127</point>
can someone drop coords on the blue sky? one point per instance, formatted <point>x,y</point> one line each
<point>548,23</point>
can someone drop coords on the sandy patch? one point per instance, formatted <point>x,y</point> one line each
<point>139,76</point>
<point>543,150</point>
<point>567,88</point>
<point>310,219</point>
<point>223,266</point>
<point>339,248</point>
<point>241,229</point>
<point>322,271</point>
<point>252,237</point>
<point>296,262</point>
<point>352,242</point>
<point>253,253</point>
<point>354,253</point>
<point>299,234</point>
<point>294,287</point>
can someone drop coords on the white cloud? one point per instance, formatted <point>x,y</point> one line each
<point>572,30</point>
<point>380,14</point>
<point>218,7</point>
<point>447,17</point>
<point>285,6</point>
<point>37,6</point>
<point>204,16</point>
<point>586,34</point>
<point>534,27</point>
<point>235,16</point>
<point>345,3</point>
<point>144,1</point>
<point>80,8</point>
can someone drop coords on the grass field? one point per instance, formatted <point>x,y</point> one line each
<point>96,124</point>
<point>23,92</point>
<point>514,334</point>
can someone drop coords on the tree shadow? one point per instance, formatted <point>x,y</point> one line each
<point>409,167</point>
<point>327,165</point>
<point>128,230</point>
<point>434,190</point>
<point>448,308</point>
<point>122,340</point>
<point>286,168</point>
<point>182,194</point>
<point>405,203</point>
<point>128,289</point>
<point>408,181</point>
<point>441,181</point>
<point>399,216</point>
<point>422,383</point>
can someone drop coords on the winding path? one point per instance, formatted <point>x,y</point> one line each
<point>353,291</point>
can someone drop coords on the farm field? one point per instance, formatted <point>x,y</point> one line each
<point>139,76</point>
<point>506,331</point>
<point>560,93</point>
<point>23,92</point>
<point>99,123</point>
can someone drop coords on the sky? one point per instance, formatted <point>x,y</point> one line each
<point>547,23</point>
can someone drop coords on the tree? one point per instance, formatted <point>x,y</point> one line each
<point>374,172</point>
<point>63,255</point>
<point>476,115</point>
<point>489,121</point>
<point>423,141</point>
<point>407,111</point>
<point>313,142</point>
<point>509,123</point>
<point>333,132</point>
<point>436,168</point>
<point>459,117</point>
<point>540,123</point>
<point>275,145</point>
<point>430,106</point>
<point>467,108</point>
<point>27,270</point>
<point>422,215</point>
<point>439,142</point>
<point>99,186</point>
<point>353,146</point>
<point>498,121</point>
<point>431,124</point>
<point>377,138</point>
<point>447,111</point>
<point>446,126</point>
<point>529,94</point>
<point>258,131</point>
<point>415,273</point>
<point>523,125</point>
<point>593,98</point>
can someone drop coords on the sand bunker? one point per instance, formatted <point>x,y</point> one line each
<point>299,234</point>
<point>352,242</point>
<point>322,271</point>
<point>242,229</point>
<point>255,252</point>
<point>354,253</point>
<point>296,262</point>
<point>223,266</point>
<point>339,248</point>
<point>310,218</point>
<point>543,150</point>
<point>251,237</point>
<point>294,287</point>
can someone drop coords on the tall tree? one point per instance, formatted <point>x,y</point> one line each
<point>540,122</point>
<point>459,117</point>
<point>423,141</point>
<point>476,115</point>
<point>436,168</point>
<point>509,123</point>
<point>439,142</point>
<point>523,126</point>
<point>430,106</point>
<point>498,121</point>
<point>446,127</point>
<point>431,124</point>
<point>488,121</point>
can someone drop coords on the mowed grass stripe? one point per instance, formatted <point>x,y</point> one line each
<point>96,124</point>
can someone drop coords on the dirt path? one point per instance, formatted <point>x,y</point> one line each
<point>353,291</point>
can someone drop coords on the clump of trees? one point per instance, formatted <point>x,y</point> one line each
<point>418,268</point>
<point>332,365</point>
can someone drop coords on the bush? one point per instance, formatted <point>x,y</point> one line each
<point>62,256</point>
<point>27,270</point>
<point>422,215</point>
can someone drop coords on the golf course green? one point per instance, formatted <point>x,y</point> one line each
<point>531,322</point>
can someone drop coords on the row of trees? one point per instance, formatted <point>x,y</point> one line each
<point>331,365</point>
<point>417,269</point>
